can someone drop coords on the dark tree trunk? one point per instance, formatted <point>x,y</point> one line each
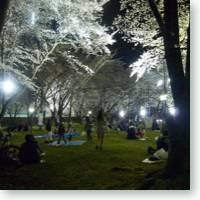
<point>60,114</point>
<point>179,126</point>
<point>179,159</point>
<point>3,10</point>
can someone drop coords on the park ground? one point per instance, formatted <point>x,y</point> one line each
<point>118,166</point>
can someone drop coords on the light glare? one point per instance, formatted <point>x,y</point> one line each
<point>8,86</point>
<point>159,83</point>
<point>31,109</point>
<point>122,113</point>
<point>89,112</point>
<point>143,112</point>
<point>172,111</point>
<point>32,18</point>
<point>163,97</point>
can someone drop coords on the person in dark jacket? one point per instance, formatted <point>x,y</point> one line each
<point>162,142</point>
<point>61,133</point>
<point>30,152</point>
<point>131,132</point>
<point>88,129</point>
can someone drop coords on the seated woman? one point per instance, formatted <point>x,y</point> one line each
<point>162,142</point>
<point>30,152</point>
<point>140,133</point>
<point>131,133</point>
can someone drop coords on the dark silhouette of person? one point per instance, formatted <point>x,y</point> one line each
<point>131,132</point>
<point>88,129</point>
<point>61,133</point>
<point>30,152</point>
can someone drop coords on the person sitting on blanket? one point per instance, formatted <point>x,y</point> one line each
<point>140,133</point>
<point>162,142</point>
<point>30,152</point>
<point>61,133</point>
<point>131,132</point>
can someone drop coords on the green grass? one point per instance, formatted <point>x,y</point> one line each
<point>83,167</point>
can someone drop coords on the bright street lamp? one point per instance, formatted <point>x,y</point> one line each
<point>143,112</point>
<point>122,114</point>
<point>172,111</point>
<point>8,86</point>
<point>31,110</point>
<point>89,112</point>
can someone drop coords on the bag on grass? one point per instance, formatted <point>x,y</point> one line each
<point>161,154</point>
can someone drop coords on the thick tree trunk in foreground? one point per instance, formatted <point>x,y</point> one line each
<point>179,159</point>
<point>179,126</point>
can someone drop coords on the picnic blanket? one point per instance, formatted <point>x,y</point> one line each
<point>67,135</point>
<point>159,156</point>
<point>71,143</point>
<point>146,160</point>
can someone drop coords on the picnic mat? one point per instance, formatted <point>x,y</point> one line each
<point>146,160</point>
<point>142,139</point>
<point>71,143</point>
<point>56,135</point>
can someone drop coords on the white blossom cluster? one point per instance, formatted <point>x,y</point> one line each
<point>138,25</point>
<point>35,30</point>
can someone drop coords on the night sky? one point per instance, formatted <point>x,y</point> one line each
<point>128,53</point>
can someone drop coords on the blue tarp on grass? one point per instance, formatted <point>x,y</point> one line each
<point>67,135</point>
<point>71,143</point>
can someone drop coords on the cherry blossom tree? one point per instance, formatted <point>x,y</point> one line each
<point>35,33</point>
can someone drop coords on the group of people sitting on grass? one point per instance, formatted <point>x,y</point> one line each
<point>135,133</point>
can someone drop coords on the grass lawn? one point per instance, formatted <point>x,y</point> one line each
<point>118,166</point>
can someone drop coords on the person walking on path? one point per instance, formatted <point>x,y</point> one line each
<point>100,129</point>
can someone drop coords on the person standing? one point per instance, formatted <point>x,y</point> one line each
<point>100,129</point>
<point>88,129</point>
<point>61,133</point>
<point>49,129</point>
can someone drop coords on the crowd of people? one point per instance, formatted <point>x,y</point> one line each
<point>134,132</point>
<point>30,151</point>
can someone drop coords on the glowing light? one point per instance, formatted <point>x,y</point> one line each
<point>31,109</point>
<point>143,112</point>
<point>89,112</point>
<point>8,86</point>
<point>32,18</point>
<point>168,80</point>
<point>159,83</point>
<point>172,111</point>
<point>121,113</point>
<point>159,120</point>
<point>163,97</point>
